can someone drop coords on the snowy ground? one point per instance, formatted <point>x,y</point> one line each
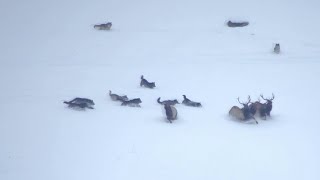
<point>50,53</point>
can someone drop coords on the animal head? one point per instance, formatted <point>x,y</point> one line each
<point>139,100</point>
<point>110,92</point>
<point>269,100</point>
<point>142,77</point>
<point>245,105</point>
<point>184,96</point>
<point>176,101</point>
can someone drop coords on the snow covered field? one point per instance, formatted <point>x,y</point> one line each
<point>50,53</point>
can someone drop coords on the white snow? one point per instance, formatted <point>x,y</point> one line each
<point>50,52</point>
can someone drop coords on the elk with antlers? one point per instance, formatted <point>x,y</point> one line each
<point>242,114</point>
<point>262,109</point>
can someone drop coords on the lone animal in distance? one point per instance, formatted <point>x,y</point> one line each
<point>106,26</point>
<point>276,48</point>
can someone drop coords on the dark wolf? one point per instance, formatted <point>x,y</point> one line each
<point>106,26</point>
<point>132,103</point>
<point>188,102</point>
<point>168,102</point>
<point>147,84</point>
<point>237,24</point>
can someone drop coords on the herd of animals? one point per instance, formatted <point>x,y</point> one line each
<point>245,114</point>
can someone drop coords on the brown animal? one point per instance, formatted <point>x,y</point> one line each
<point>171,112</point>
<point>242,114</point>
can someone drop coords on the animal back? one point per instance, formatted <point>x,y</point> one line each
<point>237,113</point>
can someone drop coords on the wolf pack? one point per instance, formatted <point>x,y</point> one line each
<point>244,114</point>
<point>248,113</point>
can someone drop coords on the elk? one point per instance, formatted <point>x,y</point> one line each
<point>262,109</point>
<point>242,114</point>
<point>268,104</point>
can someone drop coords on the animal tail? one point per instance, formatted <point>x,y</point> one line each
<point>158,100</point>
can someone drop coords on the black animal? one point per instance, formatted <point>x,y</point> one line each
<point>242,114</point>
<point>116,97</point>
<point>188,102</point>
<point>268,104</point>
<point>132,103</point>
<point>82,100</point>
<point>237,24</point>
<point>276,48</point>
<point>106,26</point>
<point>147,84</point>
<point>80,103</point>
<point>171,112</point>
<point>168,102</point>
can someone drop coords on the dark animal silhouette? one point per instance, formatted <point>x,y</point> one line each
<point>82,100</point>
<point>171,112</point>
<point>237,24</point>
<point>116,97</point>
<point>242,114</point>
<point>188,102</point>
<point>132,103</point>
<point>276,48</point>
<point>262,109</point>
<point>147,84</point>
<point>106,26</point>
<point>268,104</point>
<point>168,102</point>
<point>80,103</point>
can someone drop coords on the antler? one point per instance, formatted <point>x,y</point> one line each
<point>240,102</point>
<point>268,99</point>
<point>249,100</point>
<point>272,97</point>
